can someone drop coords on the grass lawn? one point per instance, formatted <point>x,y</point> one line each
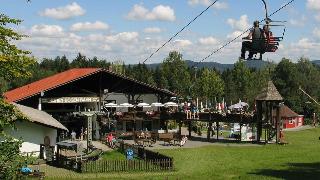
<point>113,155</point>
<point>300,159</point>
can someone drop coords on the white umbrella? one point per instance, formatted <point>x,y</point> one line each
<point>239,105</point>
<point>143,105</point>
<point>171,104</point>
<point>111,105</point>
<point>126,105</point>
<point>156,104</point>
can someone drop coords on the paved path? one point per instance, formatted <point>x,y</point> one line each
<point>197,141</point>
<point>299,128</point>
<point>101,146</point>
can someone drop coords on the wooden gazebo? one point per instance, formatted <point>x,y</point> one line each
<point>266,101</point>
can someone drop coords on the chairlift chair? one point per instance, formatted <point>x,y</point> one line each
<point>267,44</point>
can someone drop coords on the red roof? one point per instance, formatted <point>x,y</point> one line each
<point>48,83</point>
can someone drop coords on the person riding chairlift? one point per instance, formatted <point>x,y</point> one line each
<point>270,47</point>
<point>256,34</point>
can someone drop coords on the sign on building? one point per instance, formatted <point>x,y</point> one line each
<point>70,100</point>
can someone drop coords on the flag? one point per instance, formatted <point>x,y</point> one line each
<point>222,105</point>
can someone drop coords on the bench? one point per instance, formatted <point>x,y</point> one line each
<point>166,137</point>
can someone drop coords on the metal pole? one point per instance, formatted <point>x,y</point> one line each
<point>266,9</point>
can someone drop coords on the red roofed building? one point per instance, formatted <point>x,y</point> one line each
<point>289,118</point>
<point>87,89</point>
<point>48,83</point>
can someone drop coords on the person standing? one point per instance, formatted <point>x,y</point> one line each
<point>73,135</point>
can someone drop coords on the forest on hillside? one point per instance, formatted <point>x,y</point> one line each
<point>211,85</point>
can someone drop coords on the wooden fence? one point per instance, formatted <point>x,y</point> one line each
<point>101,166</point>
<point>147,161</point>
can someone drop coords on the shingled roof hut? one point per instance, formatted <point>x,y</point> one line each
<point>266,101</point>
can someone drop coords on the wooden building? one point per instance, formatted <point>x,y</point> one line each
<point>65,95</point>
<point>289,118</point>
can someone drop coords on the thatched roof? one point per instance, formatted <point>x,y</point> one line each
<point>40,117</point>
<point>270,93</point>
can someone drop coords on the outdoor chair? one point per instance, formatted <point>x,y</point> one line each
<point>137,141</point>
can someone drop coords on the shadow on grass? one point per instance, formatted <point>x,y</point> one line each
<point>224,140</point>
<point>293,171</point>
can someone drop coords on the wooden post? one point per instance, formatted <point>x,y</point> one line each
<point>259,119</point>
<point>217,123</point>
<point>240,131</point>
<point>209,131</point>
<point>190,129</point>
<point>166,125</point>
<point>278,125</point>
<point>180,125</point>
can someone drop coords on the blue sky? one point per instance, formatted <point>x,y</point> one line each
<point>130,31</point>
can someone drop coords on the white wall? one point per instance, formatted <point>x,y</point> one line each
<point>32,135</point>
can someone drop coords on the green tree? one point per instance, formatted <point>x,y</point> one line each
<point>209,85</point>
<point>285,78</point>
<point>80,61</point>
<point>14,63</point>
<point>176,72</point>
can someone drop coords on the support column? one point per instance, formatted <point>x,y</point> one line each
<point>259,119</point>
<point>166,125</point>
<point>209,131</point>
<point>180,125</point>
<point>89,135</point>
<point>217,123</point>
<point>190,129</point>
<point>278,125</point>
<point>240,131</point>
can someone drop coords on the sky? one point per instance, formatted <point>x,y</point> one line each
<point>129,31</point>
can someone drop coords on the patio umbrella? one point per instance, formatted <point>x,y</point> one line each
<point>143,105</point>
<point>156,104</point>
<point>111,105</point>
<point>126,105</point>
<point>170,104</point>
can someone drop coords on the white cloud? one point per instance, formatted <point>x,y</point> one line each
<point>88,26</point>
<point>160,12</point>
<point>220,5</point>
<point>235,34</point>
<point>313,5</point>
<point>202,2</point>
<point>208,41</point>
<point>298,22</point>
<point>65,12</point>
<point>46,30</point>
<point>316,32</point>
<point>317,17</point>
<point>182,42</point>
<point>123,37</point>
<point>152,30</point>
<point>217,5</point>
<point>241,24</point>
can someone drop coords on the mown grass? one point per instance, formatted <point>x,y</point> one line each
<point>300,159</point>
<point>113,155</point>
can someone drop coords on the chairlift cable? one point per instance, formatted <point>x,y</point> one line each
<point>179,31</point>
<point>229,42</point>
